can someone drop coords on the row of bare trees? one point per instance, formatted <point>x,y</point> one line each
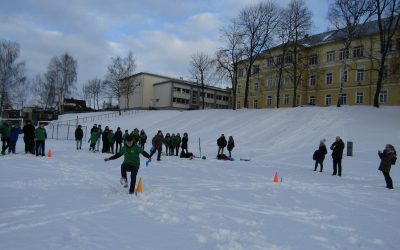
<point>263,26</point>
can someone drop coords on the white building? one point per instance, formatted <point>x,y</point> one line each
<point>161,92</point>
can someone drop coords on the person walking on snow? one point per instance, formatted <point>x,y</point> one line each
<point>131,162</point>
<point>78,137</point>
<point>118,139</point>
<point>388,158</point>
<point>221,142</point>
<point>15,132</point>
<point>320,155</point>
<point>337,154</point>
<point>157,142</point>
<point>184,144</point>
<point>40,137</point>
<point>143,138</point>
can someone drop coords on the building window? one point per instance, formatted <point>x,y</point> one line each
<point>312,80</point>
<point>255,104</point>
<point>358,52</point>
<point>312,60</point>
<point>270,62</point>
<point>269,100</point>
<point>279,59</point>
<point>289,58</point>
<point>209,95</point>
<point>287,80</point>
<point>359,97</point>
<point>256,69</point>
<point>238,104</point>
<point>344,98</point>
<point>256,87</point>
<point>240,73</point>
<point>343,54</point>
<point>286,100</point>
<point>328,99</point>
<point>330,56</point>
<point>269,81</point>
<point>328,78</point>
<point>239,88</point>
<point>180,100</point>
<point>383,96</point>
<point>311,100</point>
<point>360,75</point>
<point>344,76</point>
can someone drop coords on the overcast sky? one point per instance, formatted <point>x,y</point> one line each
<point>162,34</point>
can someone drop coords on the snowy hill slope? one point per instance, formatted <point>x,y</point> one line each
<point>74,200</point>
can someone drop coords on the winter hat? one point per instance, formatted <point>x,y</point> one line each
<point>130,137</point>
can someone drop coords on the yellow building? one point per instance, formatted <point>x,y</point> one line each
<point>322,62</point>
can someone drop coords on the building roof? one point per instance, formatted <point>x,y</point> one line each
<point>145,73</point>
<point>192,84</point>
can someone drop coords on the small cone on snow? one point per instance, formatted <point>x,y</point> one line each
<point>139,188</point>
<point>49,154</point>
<point>276,177</point>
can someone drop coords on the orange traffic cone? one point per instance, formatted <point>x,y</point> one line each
<point>276,177</point>
<point>49,154</point>
<point>139,188</point>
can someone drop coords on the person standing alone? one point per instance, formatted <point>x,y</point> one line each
<point>337,154</point>
<point>388,158</point>
<point>41,135</point>
<point>78,137</point>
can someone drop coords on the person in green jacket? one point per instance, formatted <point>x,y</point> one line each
<point>126,134</point>
<point>172,142</point>
<point>5,131</point>
<point>177,143</point>
<point>93,140</point>
<point>111,141</point>
<point>40,138</point>
<point>131,162</point>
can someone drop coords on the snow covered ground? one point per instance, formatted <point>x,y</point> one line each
<point>74,200</point>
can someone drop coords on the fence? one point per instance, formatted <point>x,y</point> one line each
<point>64,132</point>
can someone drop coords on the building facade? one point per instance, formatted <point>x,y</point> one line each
<point>162,92</point>
<point>325,71</point>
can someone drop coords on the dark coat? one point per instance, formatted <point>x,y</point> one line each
<point>386,160</point>
<point>157,141</point>
<point>321,152</point>
<point>15,131</point>
<point>184,144</point>
<point>221,142</point>
<point>78,134</point>
<point>337,147</point>
<point>231,145</point>
<point>118,136</point>
<point>29,132</point>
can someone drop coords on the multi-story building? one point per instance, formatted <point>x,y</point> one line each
<point>161,92</point>
<point>324,68</point>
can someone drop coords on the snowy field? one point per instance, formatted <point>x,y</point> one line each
<point>74,200</point>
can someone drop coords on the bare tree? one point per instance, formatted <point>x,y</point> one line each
<point>229,57</point>
<point>128,87</point>
<point>257,24</point>
<point>119,68</point>
<point>348,17</point>
<point>12,73</point>
<point>200,69</point>
<point>388,13</point>
<point>21,93</point>
<point>62,74</point>
<point>87,95</point>
<point>297,20</point>
<point>44,90</point>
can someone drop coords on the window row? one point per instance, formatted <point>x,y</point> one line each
<point>181,90</point>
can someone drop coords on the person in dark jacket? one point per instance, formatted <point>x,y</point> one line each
<point>221,142</point>
<point>184,144</point>
<point>5,131</point>
<point>320,155</point>
<point>15,132</point>
<point>167,143</point>
<point>118,139</point>
<point>143,138</point>
<point>93,129</point>
<point>29,137</point>
<point>78,137</point>
<point>104,138</point>
<point>388,158</point>
<point>131,162</point>
<point>100,132</point>
<point>178,141</point>
<point>231,145</point>
<point>157,142</point>
<point>337,154</point>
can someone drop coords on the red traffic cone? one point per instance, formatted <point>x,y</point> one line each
<point>276,177</point>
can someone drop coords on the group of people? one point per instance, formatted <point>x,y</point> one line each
<point>34,138</point>
<point>222,143</point>
<point>388,158</point>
